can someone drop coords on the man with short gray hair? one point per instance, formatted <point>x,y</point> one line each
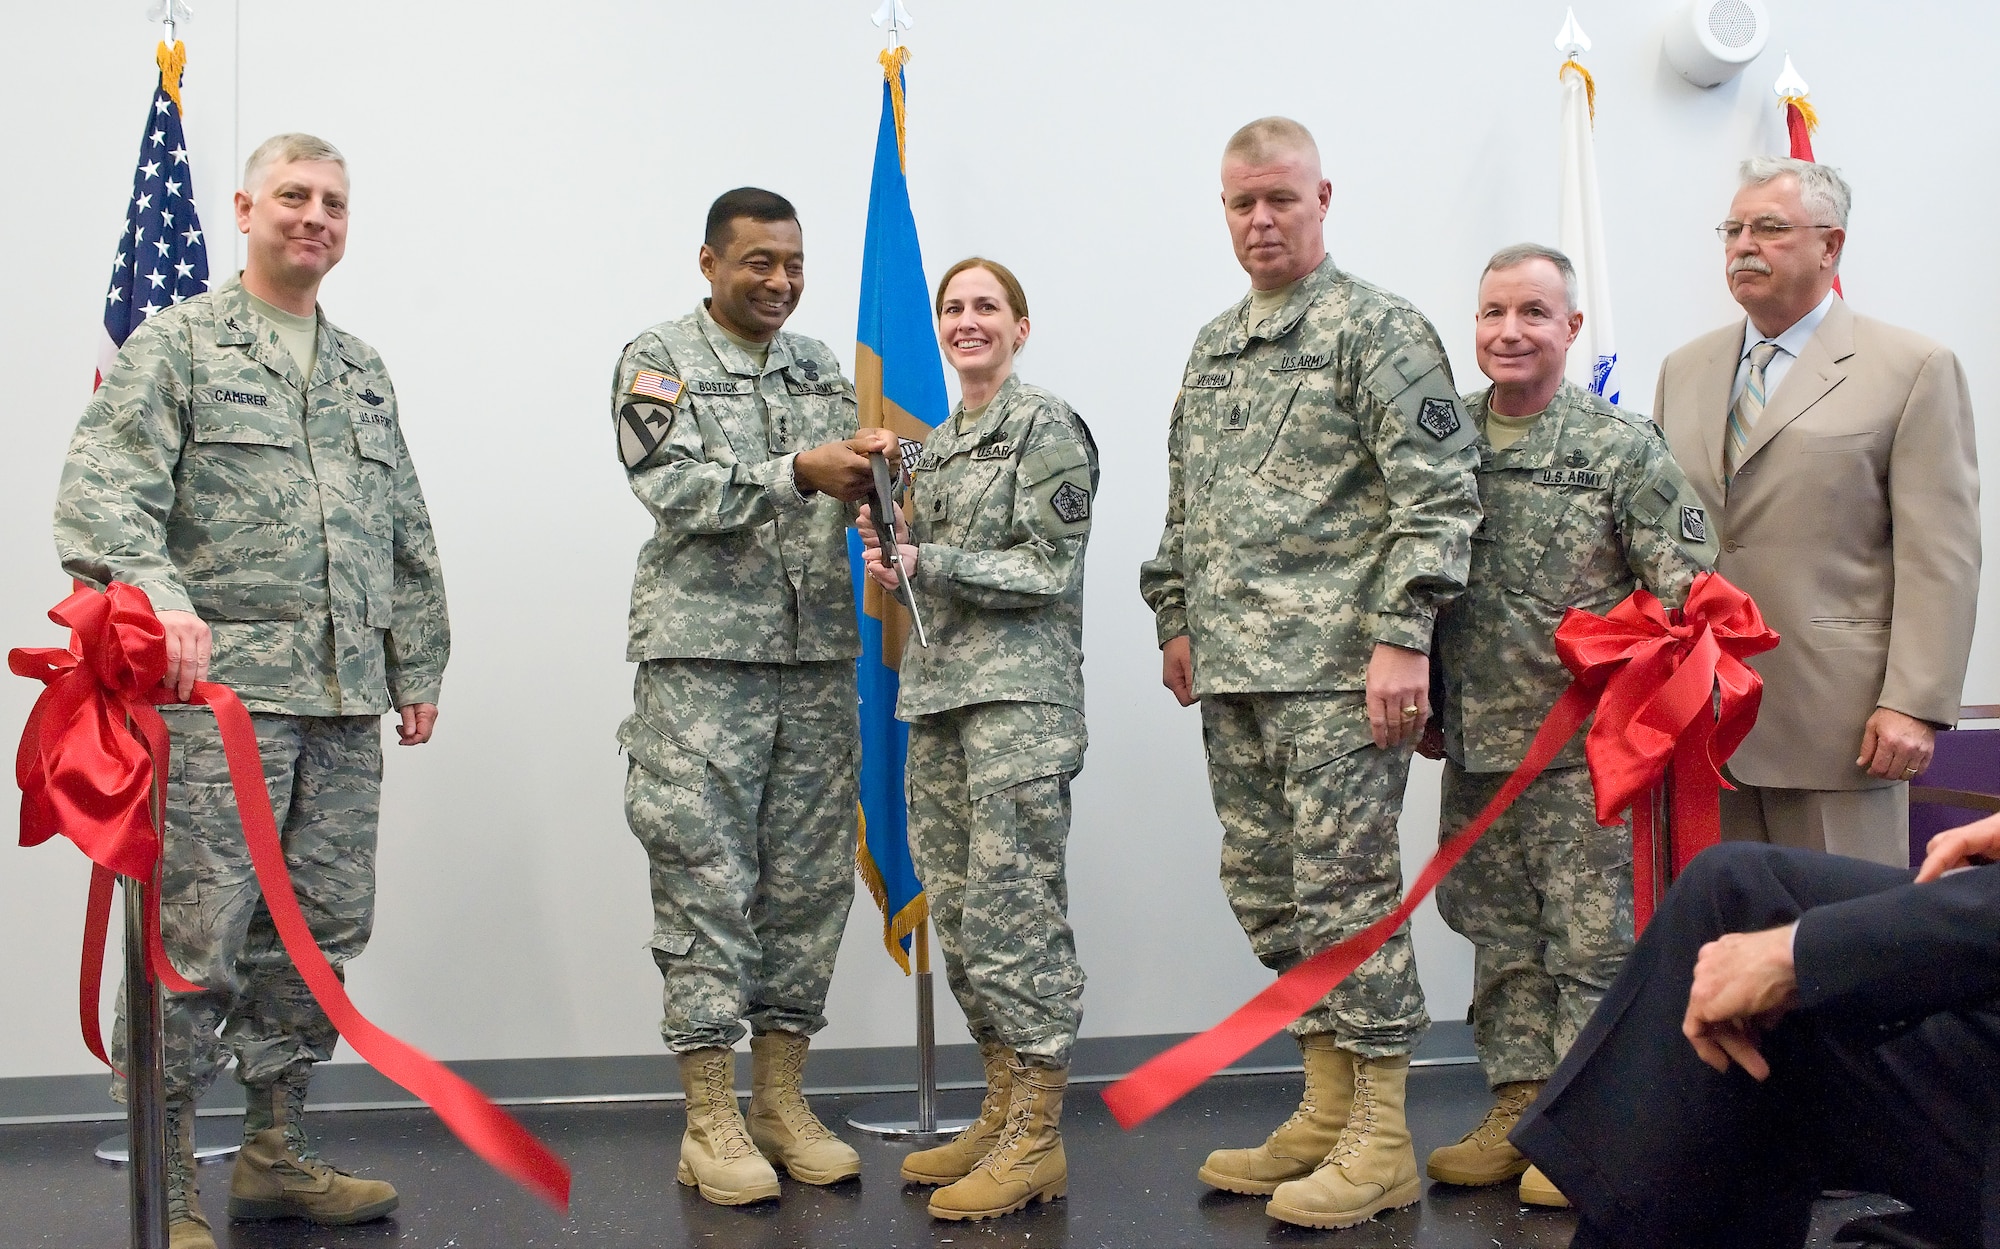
<point>1584,505</point>
<point>1319,509</point>
<point>1836,456</point>
<point>244,465</point>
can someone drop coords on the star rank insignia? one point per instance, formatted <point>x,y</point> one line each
<point>1070,503</point>
<point>1438,418</point>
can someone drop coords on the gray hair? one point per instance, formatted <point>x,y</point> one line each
<point>1822,190</point>
<point>1264,140</point>
<point>1522,253</point>
<point>283,149</point>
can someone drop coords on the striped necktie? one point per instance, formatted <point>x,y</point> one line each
<point>1748,407</point>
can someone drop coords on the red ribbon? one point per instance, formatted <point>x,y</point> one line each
<point>1651,677</point>
<point>84,773</point>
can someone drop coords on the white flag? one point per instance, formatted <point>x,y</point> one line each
<point>1593,362</point>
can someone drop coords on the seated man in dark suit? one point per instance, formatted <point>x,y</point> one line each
<point>1863,1010</point>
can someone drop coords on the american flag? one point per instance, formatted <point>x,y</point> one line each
<point>161,257</point>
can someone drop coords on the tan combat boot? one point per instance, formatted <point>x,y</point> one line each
<point>278,1176</point>
<point>716,1154</point>
<point>1538,1190</point>
<point>1027,1162</point>
<point>1301,1142</point>
<point>955,1159</point>
<point>782,1126</point>
<point>1372,1167</point>
<point>1485,1155</point>
<point>187,1226</point>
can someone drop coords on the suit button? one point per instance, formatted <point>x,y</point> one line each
<point>1730,545</point>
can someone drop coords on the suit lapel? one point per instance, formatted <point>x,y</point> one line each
<point>1715,375</point>
<point>1817,371</point>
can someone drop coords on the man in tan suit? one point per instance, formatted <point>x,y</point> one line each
<point>1836,457</point>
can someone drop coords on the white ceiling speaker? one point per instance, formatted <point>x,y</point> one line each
<point>1708,42</point>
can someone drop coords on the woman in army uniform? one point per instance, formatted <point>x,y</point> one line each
<point>998,515</point>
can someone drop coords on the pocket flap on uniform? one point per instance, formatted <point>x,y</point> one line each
<point>374,439</point>
<point>674,941</point>
<point>666,759</point>
<point>1050,460</point>
<point>245,600</point>
<point>1031,762</point>
<point>223,415</point>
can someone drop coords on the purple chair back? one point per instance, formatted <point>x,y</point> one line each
<point>1967,759</point>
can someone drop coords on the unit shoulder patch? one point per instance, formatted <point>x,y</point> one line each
<point>641,426</point>
<point>1070,503</point>
<point>1438,417</point>
<point>1694,524</point>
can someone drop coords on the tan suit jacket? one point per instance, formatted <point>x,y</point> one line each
<point>1853,521</point>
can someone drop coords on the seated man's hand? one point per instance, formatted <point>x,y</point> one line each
<point>188,642</point>
<point>1743,984</point>
<point>841,469</point>
<point>1969,846</point>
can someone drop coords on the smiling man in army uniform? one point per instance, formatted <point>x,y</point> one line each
<point>742,443</point>
<point>244,465</point>
<point>1584,504</point>
<point>1320,506</point>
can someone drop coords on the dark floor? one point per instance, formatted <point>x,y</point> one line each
<point>1126,1189</point>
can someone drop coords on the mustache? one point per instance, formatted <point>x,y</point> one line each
<point>1748,264</point>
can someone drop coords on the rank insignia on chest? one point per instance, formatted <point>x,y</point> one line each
<point>1209,381</point>
<point>648,384</point>
<point>1694,524</point>
<point>372,399</point>
<point>993,451</point>
<point>1438,418</point>
<point>1070,503</point>
<point>1237,418</point>
<point>1584,477</point>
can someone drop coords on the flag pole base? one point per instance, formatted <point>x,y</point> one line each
<point>214,1139</point>
<point>878,1119</point>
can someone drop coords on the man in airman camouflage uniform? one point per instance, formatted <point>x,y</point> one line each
<point>244,465</point>
<point>1584,504</point>
<point>741,441</point>
<point>1320,505</point>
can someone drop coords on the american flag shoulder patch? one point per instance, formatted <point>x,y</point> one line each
<point>649,384</point>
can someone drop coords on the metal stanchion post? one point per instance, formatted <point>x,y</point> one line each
<point>145,1081</point>
<point>927,1125</point>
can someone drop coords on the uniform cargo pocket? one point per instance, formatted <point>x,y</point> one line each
<point>1058,980</point>
<point>675,942</point>
<point>245,600</point>
<point>666,759</point>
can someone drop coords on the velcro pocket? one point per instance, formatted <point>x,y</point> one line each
<point>1050,460</point>
<point>375,441</point>
<point>1655,498</point>
<point>675,942</point>
<point>1417,387</point>
<point>662,756</point>
<point>1049,756</point>
<point>240,423</point>
<point>245,600</point>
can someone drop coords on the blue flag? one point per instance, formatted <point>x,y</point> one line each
<point>901,387</point>
<point>161,257</point>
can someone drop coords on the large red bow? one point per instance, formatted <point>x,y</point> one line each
<point>84,773</point>
<point>1673,696</point>
<point>1650,676</point>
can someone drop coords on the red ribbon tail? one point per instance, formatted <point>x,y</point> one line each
<point>90,977</point>
<point>1645,854</point>
<point>488,1131</point>
<point>1167,1077</point>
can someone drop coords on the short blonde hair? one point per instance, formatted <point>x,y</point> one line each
<point>1017,299</point>
<point>1267,138</point>
<point>283,149</point>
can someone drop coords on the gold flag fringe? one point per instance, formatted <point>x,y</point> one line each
<point>893,60</point>
<point>172,61</point>
<point>1807,113</point>
<point>915,913</point>
<point>1589,84</point>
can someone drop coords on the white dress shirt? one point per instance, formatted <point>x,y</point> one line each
<point>1790,343</point>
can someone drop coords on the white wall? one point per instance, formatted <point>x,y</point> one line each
<point>529,184</point>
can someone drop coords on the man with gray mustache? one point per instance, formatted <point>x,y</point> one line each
<point>1836,458</point>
